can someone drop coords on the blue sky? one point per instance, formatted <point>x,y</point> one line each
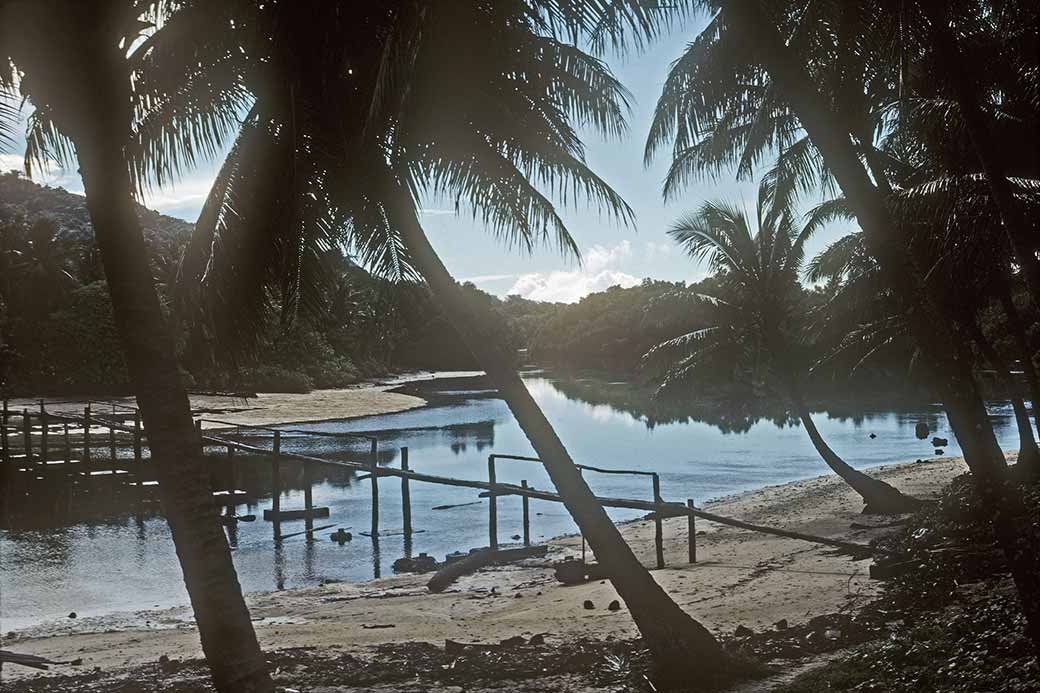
<point>612,254</point>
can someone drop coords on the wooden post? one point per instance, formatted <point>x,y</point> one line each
<point>692,530</point>
<point>581,473</point>
<point>374,474</point>
<point>43,434</point>
<point>112,445</point>
<point>406,495</point>
<point>66,443</point>
<point>137,447</point>
<point>658,523</point>
<point>492,505</point>
<point>4,449</point>
<point>86,434</point>
<point>526,502</point>
<point>27,435</point>
<point>276,484</point>
<point>308,500</point>
<point>198,435</point>
<point>230,484</point>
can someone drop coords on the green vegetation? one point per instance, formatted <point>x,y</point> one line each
<point>954,622</point>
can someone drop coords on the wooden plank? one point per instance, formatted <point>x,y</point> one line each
<point>285,515</point>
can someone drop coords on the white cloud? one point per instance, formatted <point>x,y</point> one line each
<point>654,250</point>
<point>600,271</point>
<point>488,278</point>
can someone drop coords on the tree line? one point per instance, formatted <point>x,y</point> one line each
<point>340,116</point>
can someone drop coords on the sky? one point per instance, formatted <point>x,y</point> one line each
<point>611,254</point>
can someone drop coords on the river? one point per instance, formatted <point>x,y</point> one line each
<point>126,561</point>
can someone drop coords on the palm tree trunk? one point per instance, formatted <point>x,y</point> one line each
<point>1028,453</point>
<point>966,93</point>
<point>951,365</point>
<point>73,64</point>
<point>1018,332</point>
<point>672,636</point>
<point>880,498</point>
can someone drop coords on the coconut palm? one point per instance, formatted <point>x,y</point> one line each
<point>759,325</point>
<point>766,28</point>
<point>72,69</point>
<point>354,116</point>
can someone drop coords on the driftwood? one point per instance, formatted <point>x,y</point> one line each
<point>31,661</point>
<point>444,577</point>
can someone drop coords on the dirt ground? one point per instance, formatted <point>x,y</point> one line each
<point>740,578</point>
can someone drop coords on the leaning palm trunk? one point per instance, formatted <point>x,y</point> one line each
<point>879,498</point>
<point>81,75</point>
<point>1018,332</point>
<point>680,645</point>
<point>952,365</point>
<point>1028,454</point>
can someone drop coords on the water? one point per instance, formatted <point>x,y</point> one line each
<point>127,562</point>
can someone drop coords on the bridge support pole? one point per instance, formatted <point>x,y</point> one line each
<point>308,501</point>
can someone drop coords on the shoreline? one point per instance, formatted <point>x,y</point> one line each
<point>741,578</point>
<point>375,397</point>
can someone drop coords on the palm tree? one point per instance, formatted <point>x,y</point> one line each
<point>74,72</point>
<point>787,70</point>
<point>328,155</point>
<point>759,324</point>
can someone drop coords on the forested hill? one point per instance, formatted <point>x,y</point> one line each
<point>21,196</point>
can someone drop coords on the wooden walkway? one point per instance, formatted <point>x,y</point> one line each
<point>30,454</point>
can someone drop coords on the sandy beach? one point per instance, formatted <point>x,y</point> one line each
<point>266,408</point>
<point>741,578</point>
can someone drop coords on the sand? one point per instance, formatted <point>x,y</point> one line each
<point>740,578</point>
<point>266,409</point>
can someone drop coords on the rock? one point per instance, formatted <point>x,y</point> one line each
<point>873,436</point>
<point>420,564</point>
<point>341,536</point>
<point>938,451</point>
<point>614,606</point>
<point>72,614</point>
<point>781,624</point>
<point>832,634</point>
<point>516,537</point>
<point>743,632</point>
<point>517,595</point>
<point>588,605</point>
<point>921,430</point>
<point>513,641</point>
<point>939,442</point>
<point>538,639</point>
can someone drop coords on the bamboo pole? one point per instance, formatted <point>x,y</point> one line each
<point>66,443</point>
<point>374,471</point>
<point>691,525</point>
<point>658,523</point>
<point>406,496</point>
<point>527,514</point>
<point>492,506</point>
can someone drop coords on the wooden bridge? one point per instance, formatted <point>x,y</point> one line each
<point>45,449</point>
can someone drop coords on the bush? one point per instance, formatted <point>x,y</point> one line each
<point>276,379</point>
<point>338,372</point>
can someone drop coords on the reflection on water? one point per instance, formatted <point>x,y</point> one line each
<point>126,560</point>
